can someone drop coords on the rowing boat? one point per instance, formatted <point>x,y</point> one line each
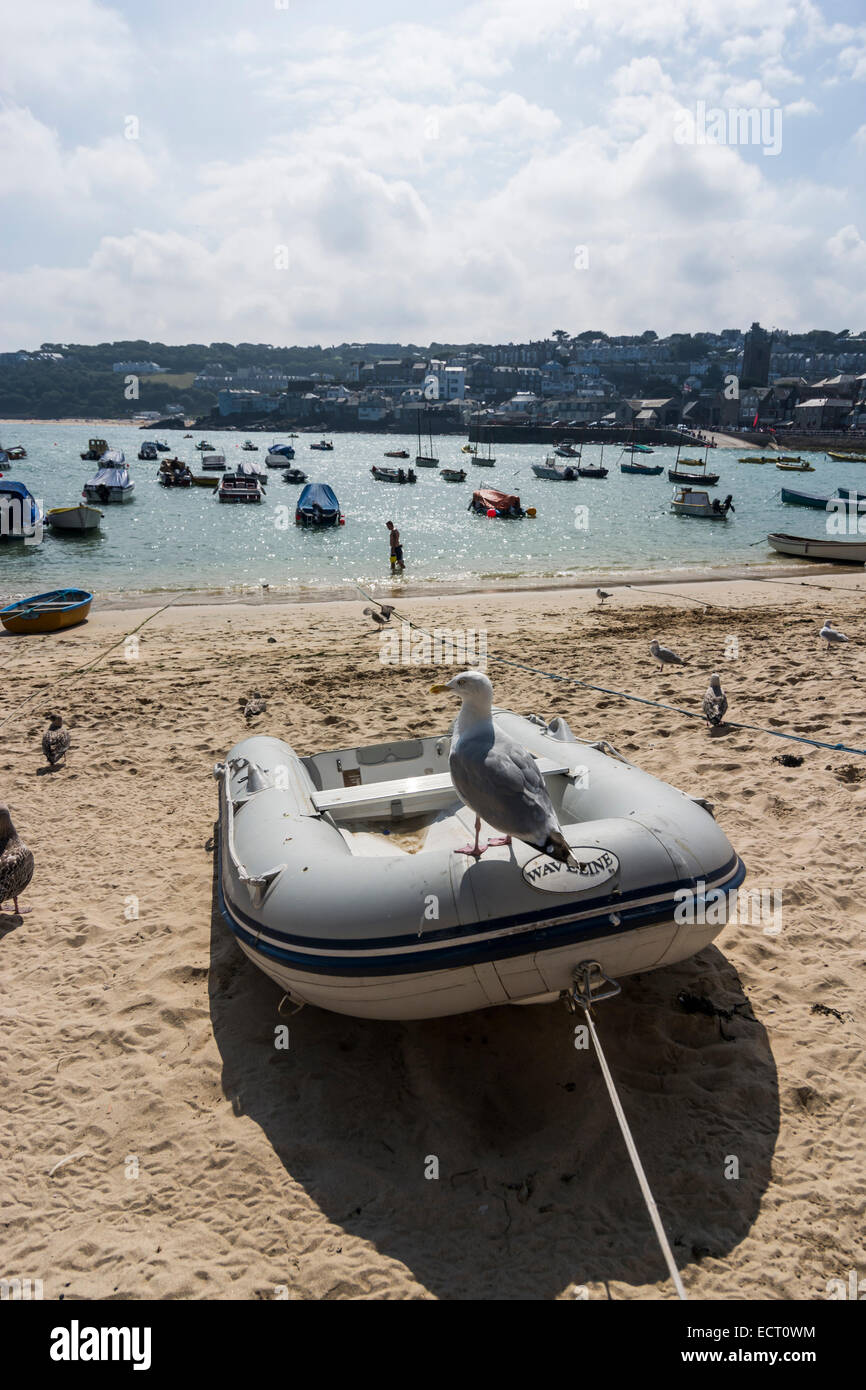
<point>49,612</point>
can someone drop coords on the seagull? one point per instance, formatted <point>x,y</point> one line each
<point>831,634</point>
<point>664,656</point>
<point>380,619</point>
<point>55,740</point>
<point>715,701</point>
<point>497,778</point>
<point>256,704</point>
<point>602,595</point>
<point>16,863</point>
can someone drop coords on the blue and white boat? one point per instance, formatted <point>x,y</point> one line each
<point>20,514</point>
<point>339,875</point>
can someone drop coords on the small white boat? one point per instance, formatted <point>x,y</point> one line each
<point>819,548</point>
<point>74,519</point>
<point>111,483</point>
<point>690,501</point>
<point>339,876</point>
<point>556,471</point>
<point>214,463</point>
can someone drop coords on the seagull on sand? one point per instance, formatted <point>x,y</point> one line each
<point>497,778</point>
<point>831,634</point>
<point>715,701</point>
<point>55,740</point>
<point>16,863</point>
<point>380,618</point>
<point>602,594</point>
<point>255,704</point>
<point>664,656</point>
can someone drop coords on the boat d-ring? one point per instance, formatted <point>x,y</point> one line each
<point>590,986</point>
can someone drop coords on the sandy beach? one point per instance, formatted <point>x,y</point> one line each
<point>156,1145</point>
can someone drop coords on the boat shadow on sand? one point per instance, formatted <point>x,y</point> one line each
<point>535,1191</point>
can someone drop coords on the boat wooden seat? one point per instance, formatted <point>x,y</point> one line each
<point>404,796</point>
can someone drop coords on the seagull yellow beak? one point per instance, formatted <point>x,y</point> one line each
<point>437,689</point>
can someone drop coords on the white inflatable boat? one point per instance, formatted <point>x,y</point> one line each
<point>339,876</point>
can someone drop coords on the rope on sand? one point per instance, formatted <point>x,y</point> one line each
<point>636,699</point>
<point>590,984</point>
<point>79,670</point>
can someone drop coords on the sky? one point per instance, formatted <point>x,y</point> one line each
<point>284,171</point>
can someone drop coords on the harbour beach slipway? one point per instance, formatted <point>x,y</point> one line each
<point>199,1158</point>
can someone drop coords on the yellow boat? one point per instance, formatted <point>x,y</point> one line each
<point>47,612</point>
<point>796,467</point>
<point>847,458</point>
<point>749,459</point>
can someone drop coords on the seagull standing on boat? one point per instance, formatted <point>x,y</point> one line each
<point>16,863</point>
<point>715,702</point>
<point>831,634</point>
<point>664,656</point>
<point>55,740</point>
<point>497,778</point>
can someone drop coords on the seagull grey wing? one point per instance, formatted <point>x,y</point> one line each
<point>501,783</point>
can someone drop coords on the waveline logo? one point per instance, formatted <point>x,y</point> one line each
<point>76,1343</point>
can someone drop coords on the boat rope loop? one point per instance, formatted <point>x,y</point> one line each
<point>590,985</point>
<point>79,670</point>
<point>638,699</point>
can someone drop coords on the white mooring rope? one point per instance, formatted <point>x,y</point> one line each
<point>635,1157</point>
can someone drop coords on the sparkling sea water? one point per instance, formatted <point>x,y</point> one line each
<point>172,539</point>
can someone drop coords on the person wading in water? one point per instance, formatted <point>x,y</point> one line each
<point>396,547</point>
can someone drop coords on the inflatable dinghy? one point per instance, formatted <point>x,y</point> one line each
<point>339,876</point>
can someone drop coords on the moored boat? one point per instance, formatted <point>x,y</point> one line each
<point>322,896</point>
<point>491,502</point>
<point>174,473</point>
<point>250,447</point>
<point>51,612</point>
<point>279,455</point>
<point>294,475</point>
<point>203,446</point>
<point>819,548</point>
<point>689,501</point>
<point>201,480</point>
<point>213,463</point>
<point>800,467</point>
<point>393,475</point>
<point>21,516</point>
<point>15,453</point>
<point>326,445</point>
<point>148,451</point>
<point>847,457</point>
<point>804,499</point>
<point>396,453</point>
<point>239,487</point>
<point>453,475</point>
<point>74,520</point>
<point>111,483</point>
<point>649,470</point>
<point>554,471</point>
<point>592,471</point>
<point>318,506</point>
<point>95,450</point>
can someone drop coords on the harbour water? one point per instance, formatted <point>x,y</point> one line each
<point>169,540</point>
